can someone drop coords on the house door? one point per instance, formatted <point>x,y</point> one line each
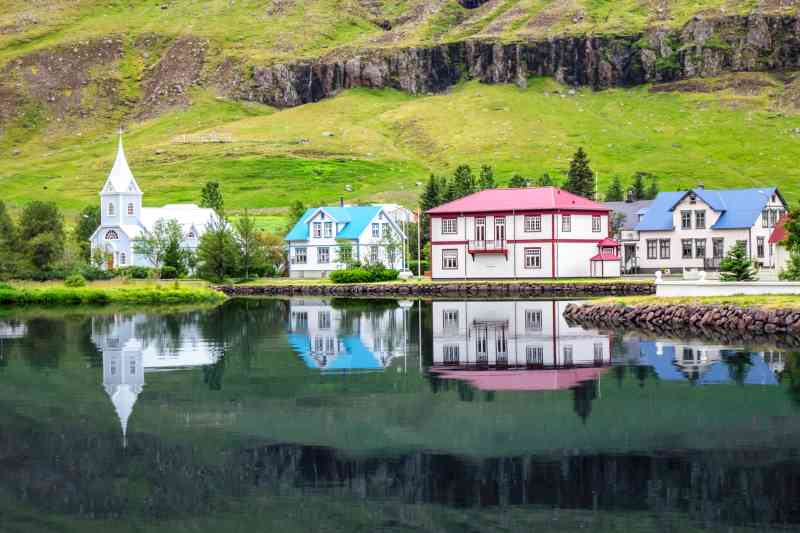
<point>500,229</point>
<point>110,261</point>
<point>480,229</point>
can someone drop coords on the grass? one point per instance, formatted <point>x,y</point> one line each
<point>153,295</point>
<point>384,143</point>
<point>766,301</point>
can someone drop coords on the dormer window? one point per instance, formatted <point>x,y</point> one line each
<point>112,235</point>
<point>111,209</point>
<point>329,230</point>
<point>131,209</point>
<point>317,230</point>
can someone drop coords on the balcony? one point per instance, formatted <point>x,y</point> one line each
<point>487,247</point>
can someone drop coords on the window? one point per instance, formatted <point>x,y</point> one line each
<point>533,258</point>
<point>596,227</point>
<point>300,319</point>
<point>566,223</point>
<point>501,343</point>
<point>133,367</point>
<point>760,247</point>
<point>112,235</point>
<point>533,320</point>
<point>384,229</point>
<point>533,223</point>
<point>765,218</point>
<point>373,254</point>
<point>329,230</point>
<point>317,230</point>
<point>700,248</point>
<point>345,254</point>
<point>190,235</point>
<point>567,355</point>
<point>111,209</point>
<point>300,256</point>
<point>700,220</point>
<point>324,320</point>
<point>480,228</point>
<point>534,355</point>
<point>323,255</point>
<point>131,210</point>
<point>123,258</point>
<point>652,247</point>
<point>686,220</point>
<point>482,345</point>
<point>686,248</point>
<point>499,228</point>
<point>598,353</point>
<point>376,230</point>
<point>449,226</point>
<point>319,344</point>
<point>665,246</point>
<point>450,319</point>
<point>718,247</point>
<point>450,354</point>
<point>449,259</point>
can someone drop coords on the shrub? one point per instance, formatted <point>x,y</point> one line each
<point>4,286</point>
<point>370,274</point>
<point>169,272</point>
<point>412,266</point>
<point>94,274</point>
<point>74,281</point>
<point>135,272</point>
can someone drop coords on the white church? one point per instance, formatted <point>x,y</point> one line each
<point>123,218</point>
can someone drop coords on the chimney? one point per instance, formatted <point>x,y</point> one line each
<point>629,197</point>
<point>341,201</point>
<point>701,186</point>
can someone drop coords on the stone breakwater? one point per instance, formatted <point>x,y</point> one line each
<point>510,289</point>
<point>743,321</point>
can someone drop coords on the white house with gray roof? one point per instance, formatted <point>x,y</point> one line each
<point>698,227</point>
<point>123,218</point>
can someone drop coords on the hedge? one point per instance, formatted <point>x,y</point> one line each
<point>371,274</point>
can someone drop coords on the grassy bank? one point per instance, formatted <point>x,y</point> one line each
<point>153,295</point>
<point>766,301</point>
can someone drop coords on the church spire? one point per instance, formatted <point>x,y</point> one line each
<point>121,179</point>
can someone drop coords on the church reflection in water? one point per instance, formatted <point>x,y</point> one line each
<point>134,345</point>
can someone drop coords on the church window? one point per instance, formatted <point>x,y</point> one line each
<point>190,235</point>
<point>123,258</point>
<point>111,209</point>
<point>112,235</point>
<point>130,210</point>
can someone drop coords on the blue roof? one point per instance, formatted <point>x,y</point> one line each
<point>739,208</point>
<point>758,373</point>
<point>355,356</point>
<point>663,364</point>
<point>355,220</point>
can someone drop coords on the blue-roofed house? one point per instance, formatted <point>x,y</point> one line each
<point>696,228</point>
<point>325,238</point>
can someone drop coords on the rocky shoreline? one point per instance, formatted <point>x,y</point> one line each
<point>507,289</point>
<point>688,318</point>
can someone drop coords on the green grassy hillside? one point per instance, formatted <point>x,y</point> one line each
<point>735,131</point>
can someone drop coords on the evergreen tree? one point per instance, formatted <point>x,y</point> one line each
<point>218,253</point>
<point>614,192</point>
<point>736,266</point>
<point>486,181</point>
<point>792,243</point>
<point>580,179</point>
<point>432,196</point>
<point>85,225</point>
<point>251,250</point>
<point>545,181</point>
<point>296,212</point>
<point>637,189</point>
<point>517,181</point>
<point>652,189</point>
<point>41,233</point>
<point>792,270</point>
<point>211,197</point>
<point>463,181</point>
<point>8,243</point>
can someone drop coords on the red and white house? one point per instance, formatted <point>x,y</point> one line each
<point>522,233</point>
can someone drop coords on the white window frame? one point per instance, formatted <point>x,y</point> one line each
<point>700,219</point>
<point>533,319</point>
<point>533,223</point>
<point>450,354</point>
<point>597,224</point>
<point>533,258</point>
<point>111,209</point>
<point>131,209</point>
<point>376,230</point>
<point>566,223</point>
<point>374,253</point>
<point>450,319</point>
<point>316,230</point>
<point>534,354</point>
<point>450,259</point>
<point>323,255</point>
<point>449,226</point>
<point>328,230</point>
<point>112,235</point>
<point>301,255</point>
<point>123,258</point>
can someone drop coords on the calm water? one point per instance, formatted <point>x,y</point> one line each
<point>357,415</point>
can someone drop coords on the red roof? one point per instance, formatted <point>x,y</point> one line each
<point>544,198</point>
<point>779,233</point>
<point>609,242</point>
<point>523,379</point>
<point>605,257</point>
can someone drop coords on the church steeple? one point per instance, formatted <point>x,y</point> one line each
<point>120,179</point>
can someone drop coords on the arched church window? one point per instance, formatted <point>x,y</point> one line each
<point>130,210</point>
<point>112,235</point>
<point>190,235</point>
<point>111,209</point>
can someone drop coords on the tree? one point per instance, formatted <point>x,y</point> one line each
<point>792,270</point>
<point>463,181</point>
<point>486,180</point>
<point>8,243</point>
<point>517,181</point>
<point>85,225</point>
<point>637,189</point>
<point>580,178</point>
<point>217,252</point>
<point>617,222</point>
<point>251,249</point>
<point>652,189</point>
<point>392,247</point>
<point>545,181</point>
<point>211,197</point>
<point>738,366</point>
<point>296,212</point>
<point>614,192</point>
<point>41,232</point>
<point>165,236</point>
<point>736,266</point>
<point>449,190</point>
<point>275,253</point>
<point>792,243</point>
